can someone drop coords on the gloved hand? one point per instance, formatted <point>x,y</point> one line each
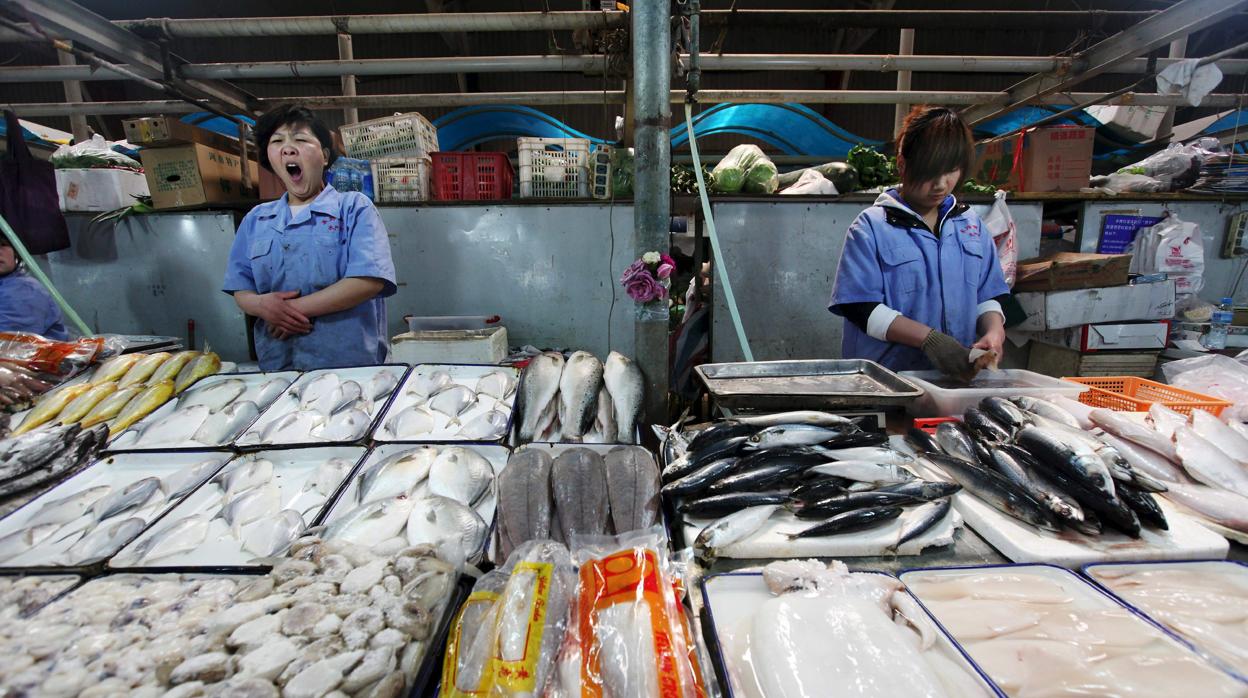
<point>949,356</point>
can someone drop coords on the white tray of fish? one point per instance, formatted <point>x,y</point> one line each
<point>211,414</point>
<point>1202,602</point>
<point>451,402</point>
<point>405,494</point>
<point>734,605</point>
<point>252,509</point>
<point>1041,629</point>
<point>22,595</point>
<point>328,406</point>
<point>579,398</point>
<point>94,514</point>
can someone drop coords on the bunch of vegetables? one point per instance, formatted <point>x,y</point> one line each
<point>874,169</point>
<point>745,169</point>
<point>973,187</point>
<point>684,181</point>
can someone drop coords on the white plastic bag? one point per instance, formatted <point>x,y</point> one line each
<point>1214,375</point>
<point>812,182</point>
<point>1180,253</point>
<point>95,152</point>
<point>1000,224</point>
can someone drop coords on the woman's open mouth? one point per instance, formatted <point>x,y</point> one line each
<point>294,171</point>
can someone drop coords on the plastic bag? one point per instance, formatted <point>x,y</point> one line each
<point>812,182</point>
<point>762,177</point>
<point>43,355</point>
<point>351,174</point>
<point>466,667</point>
<point>1000,225</point>
<point>1176,167</point>
<point>730,172</point>
<point>630,636</point>
<point>95,152</point>
<point>1181,254</point>
<point>1121,183</point>
<point>1214,375</point>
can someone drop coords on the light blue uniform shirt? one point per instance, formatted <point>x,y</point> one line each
<point>26,306</point>
<point>337,236</point>
<point>891,257</point>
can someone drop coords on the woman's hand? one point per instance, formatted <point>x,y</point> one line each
<point>993,338</point>
<point>276,311</point>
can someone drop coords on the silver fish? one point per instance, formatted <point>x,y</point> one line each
<point>538,388</point>
<point>423,385</point>
<point>214,396</point>
<point>180,536</point>
<point>956,442</point>
<point>822,419</point>
<point>731,529</point>
<point>1047,409</point>
<point>245,474</point>
<point>66,509</point>
<point>134,495</point>
<point>344,427</point>
<point>252,505</point>
<point>270,537</point>
<point>579,385</point>
<point>457,530</point>
<point>489,426</point>
<point>270,391</point>
<point>922,519</point>
<point>103,541</point>
<point>497,384</point>
<point>627,387</point>
<point>372,522</point>
<point>875,454</point>
<point>1131,431</point>
<point>295,427</point>
<point>380,385</point>
<point>23,540</point>
<point>413,421</point>
<point>397,475</point>
<point>328,476</point>
<point>340,398</point>
<point>1216,432</point>
<point>1207,463</point>
<point>792,435</point>
<point>579,481</point>
<point>318,388</point>
<point>605,429</point>
<point>1145,460</point>
<point>176,428</point>
<point>461,474</point>
<point>222,427</point>
<point>865,471</point>
<point>453,401</point>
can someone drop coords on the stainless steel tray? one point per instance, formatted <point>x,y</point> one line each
<point>785,385</point>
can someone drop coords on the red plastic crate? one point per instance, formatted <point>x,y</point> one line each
<point>471,176</point>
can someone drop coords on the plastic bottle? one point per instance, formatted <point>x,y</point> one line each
<point>1219,323</point>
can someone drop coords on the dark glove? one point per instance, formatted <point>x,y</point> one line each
<point>949,356</point>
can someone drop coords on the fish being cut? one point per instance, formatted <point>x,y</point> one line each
<point>579,482</point>
<point>1209,464</point>
<point>294,427</point>
<point>177,428</point>
<point>579,385</point>
<point>538,387</point>
<point>627,387</point>
<point>456,530</point>
<point>397,475</point>
<point>461,474</point>
<point>224,426</point>
<point>524,498</point>
<point>632,488</point>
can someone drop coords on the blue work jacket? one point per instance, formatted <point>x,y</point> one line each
<point>26,306</point>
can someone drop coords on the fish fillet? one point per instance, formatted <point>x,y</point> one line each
<point>632,488</point>
<point>578,478</point>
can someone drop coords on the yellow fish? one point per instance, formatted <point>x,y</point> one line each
<point>84,403</point>
<point>113,369</point>
<point>144,368</point>
<point>205,364</point>
<point>141,405</point>
<point>170,369</point>
<point>111,406</point>
<point>51,405</point>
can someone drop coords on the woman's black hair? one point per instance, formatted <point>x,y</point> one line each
<point>291,115</point>
<point>933,141</point>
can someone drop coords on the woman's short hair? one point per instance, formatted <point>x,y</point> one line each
<point>934,141</point>
<point>290,115</point>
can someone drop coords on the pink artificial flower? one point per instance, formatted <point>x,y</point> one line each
<point>643,288</point>
<point>665,270</point>
<point>664,259</point>
<point>637,267</point>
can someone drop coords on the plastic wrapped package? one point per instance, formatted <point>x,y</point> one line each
<point>95,152</point>
<point>1000,225</point>
<point>730,173</point>
<point>812,183</point>
<point>629,635</point>
<point>1214,375</point>
<point>43,355</point>
<point>466,664</point>
<point>762,177</point>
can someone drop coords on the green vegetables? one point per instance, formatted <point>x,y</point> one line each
<point>684,181</point>
<point>745,168</point>
<point>622,173</point>
<point>874,169</point>
<point>974,187</point>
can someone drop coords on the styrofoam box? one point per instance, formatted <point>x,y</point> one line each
<point>445,430</point>
<point>292,470</point>
<point>117,471</point>
<point>1009,382</point>
<point>476,346</point>
<point>99,190</point>
<point>1055,310</point>
<point>732,598</point>
<point>289,402</point>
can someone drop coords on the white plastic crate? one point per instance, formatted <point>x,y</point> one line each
<point>554,167</point>
<point>600,171</point>
<point>401,134</point>
<point>401,180</point>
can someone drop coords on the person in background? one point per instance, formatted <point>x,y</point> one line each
<point>314,266</point>
<point>918,280</point>
<point>25,305</point>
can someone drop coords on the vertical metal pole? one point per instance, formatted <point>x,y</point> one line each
<point>652,76</point>
<point>350,115</point>
<point>1178,49</point>
<point>73,93</point>
<point>903,78</point>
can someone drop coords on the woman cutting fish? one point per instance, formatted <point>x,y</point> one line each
<point>918,279</point>
<point>314,266</point>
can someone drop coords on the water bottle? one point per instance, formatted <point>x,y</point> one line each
<point>1219,323</point>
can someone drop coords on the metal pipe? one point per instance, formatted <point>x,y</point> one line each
<point>346,55</point>
<point>73,93</point>
<point>905,47</point>
<point>652,97</point>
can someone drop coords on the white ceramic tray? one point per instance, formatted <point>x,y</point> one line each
<point>293,469</point>
<point>444,429</point>
<point>289,402</point>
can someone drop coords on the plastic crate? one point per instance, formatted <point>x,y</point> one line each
<point>556,168</point>
<point>401,180</point>
<point>401,134</point>
<point>471,176</point>
<point>1132,394</point>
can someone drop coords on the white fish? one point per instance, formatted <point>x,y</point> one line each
<point>627,388</point>
<point>414,421</point>
<point>182,535</point>
<point>453,401</point>
<point>876,454</point>
<point>252,505</point>
<point>489,426</point>
<point>270,391</point>
<point>499,385</point>
<point>21,541</point>
<point>222,427</point>
<point>1216,432</point>
<point>134,495</point>
<point>537,402</point>
<point>341,397</point>
<point>1219,506</point>
<point>344,427</point>
<point>813,417</point>
<point>1132,431</point>
<point>1208,464</point>
<point>1081,412</point>
<point>372,522</point>
<point>66,509</point>
<point>1145,460</point>
<point>579,386</point>
<point>380,385</point>
<point>103,541</point>
<point>317,388</point>
<point>328,476</point>
<point>295,427</point>
<point>457,530</point>
<point>605,430</point>
<point>1236,426</point>
<point>423,385</point>
<point>188,478</point>
<point>245,474</point>
<point>1165,420</point>
<point>396,475</point>
<point>214,396</point>
<point>176,428</point>
<point>272,536</point>
<point>461,474</point>
<point>865,471</point>
<point>730,529</point>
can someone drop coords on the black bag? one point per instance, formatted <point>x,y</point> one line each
<point>28,198</point>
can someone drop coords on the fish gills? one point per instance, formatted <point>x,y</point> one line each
<point>632,487</point>
<point>578,479</point>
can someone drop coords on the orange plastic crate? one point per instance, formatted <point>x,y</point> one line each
<point>1132,394</point>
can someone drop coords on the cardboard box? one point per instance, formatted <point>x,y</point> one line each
<point>1059,361</point>
<point>1054,310</point>
<point>159,131</point>
<point>1110,336</point>
<point>1054,158</point>
<point>182,176</point>
<point>1068,270</point>
<point>98,190</point>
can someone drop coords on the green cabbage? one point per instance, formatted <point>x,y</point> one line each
<point>730,174</point>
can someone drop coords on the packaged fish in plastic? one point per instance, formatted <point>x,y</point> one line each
<point>466,664</point>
